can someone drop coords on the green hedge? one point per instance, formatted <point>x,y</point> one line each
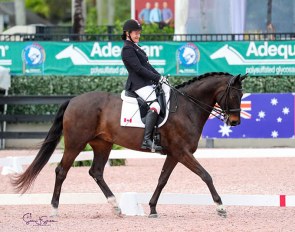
<point>58,85</point>
<point>277,84</point>
<point>65,85</point>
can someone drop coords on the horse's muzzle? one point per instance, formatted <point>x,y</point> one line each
<point>233,120</point>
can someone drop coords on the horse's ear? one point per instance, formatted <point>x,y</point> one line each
<point>240,78</point>
<point>244,76</point>
<point>237,78</point>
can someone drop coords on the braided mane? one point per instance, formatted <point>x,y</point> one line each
<point>201,77</point>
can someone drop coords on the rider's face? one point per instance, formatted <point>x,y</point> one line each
<point>135,35</point>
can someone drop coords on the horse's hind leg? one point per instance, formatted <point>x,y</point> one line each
<point>61,173</point>
<point>167,169</point>
<point>102,151</point>
<point>190,162</point>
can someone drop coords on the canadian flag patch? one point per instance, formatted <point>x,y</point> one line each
<point>128,120</point>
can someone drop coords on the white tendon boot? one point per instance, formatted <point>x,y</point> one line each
<point>54,212</point>
<point>116,209</point>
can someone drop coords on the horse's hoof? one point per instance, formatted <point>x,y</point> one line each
<point>154,215</point>
<point>221,213</point>
<point>117,211</point>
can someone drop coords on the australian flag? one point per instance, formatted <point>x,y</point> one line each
<point>262,116</point>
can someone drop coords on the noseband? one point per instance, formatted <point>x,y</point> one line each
<point>217,112</point>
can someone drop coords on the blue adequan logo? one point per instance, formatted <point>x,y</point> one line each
<point>188,54</point>
<point>33,54</point>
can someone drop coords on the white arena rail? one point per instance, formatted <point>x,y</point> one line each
<point>13,164</point>
<point>131,202</point>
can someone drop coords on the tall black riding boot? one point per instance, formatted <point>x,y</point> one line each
<point>151,120</point>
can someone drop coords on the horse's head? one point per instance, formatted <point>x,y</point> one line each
<point>229,99</point>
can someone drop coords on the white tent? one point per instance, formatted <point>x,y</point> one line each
<point>4,78</point>
<point>5,83</point>
<point>209,16</point>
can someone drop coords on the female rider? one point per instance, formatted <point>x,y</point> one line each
<point>142,78</point>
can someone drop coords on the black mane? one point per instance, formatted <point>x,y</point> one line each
<point>201,77</point>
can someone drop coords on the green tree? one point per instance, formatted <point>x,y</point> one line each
<point>56,11</point>
<point>60,12</point>
<point>122,10</point>
<point>38,6</point>
<point>95,7</point>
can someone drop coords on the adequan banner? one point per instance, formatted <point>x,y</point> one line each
<point>257,58</point>
<point>173,58</point>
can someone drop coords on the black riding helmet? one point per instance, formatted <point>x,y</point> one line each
<point>130,25</point>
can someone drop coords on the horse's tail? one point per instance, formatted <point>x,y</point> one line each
<point>23,181</point>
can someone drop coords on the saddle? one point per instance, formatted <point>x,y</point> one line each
<point>134,108</point>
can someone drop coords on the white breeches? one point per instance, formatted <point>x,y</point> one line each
<point>147,93</point>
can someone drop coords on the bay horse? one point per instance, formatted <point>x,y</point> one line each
<point>94,118</point>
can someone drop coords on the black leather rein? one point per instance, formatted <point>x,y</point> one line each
<point>217,112</point>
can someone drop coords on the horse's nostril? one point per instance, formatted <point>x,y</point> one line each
<point>234,123</point>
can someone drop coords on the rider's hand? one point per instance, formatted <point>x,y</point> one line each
<point>163,79</point>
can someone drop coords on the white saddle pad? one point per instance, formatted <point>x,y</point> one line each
<point>130,113</point>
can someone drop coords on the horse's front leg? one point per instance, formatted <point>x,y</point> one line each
<point>190,162</point>
<point>167,169</point>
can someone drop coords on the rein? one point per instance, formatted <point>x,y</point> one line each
<point>217,112</point>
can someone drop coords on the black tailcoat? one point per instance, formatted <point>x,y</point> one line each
<point>141,73</point>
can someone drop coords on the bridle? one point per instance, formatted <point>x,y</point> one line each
<point>227,112</point>
<point>216,111</point>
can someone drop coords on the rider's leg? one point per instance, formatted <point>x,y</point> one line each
<point>147,93</point>
<point>151,120</point>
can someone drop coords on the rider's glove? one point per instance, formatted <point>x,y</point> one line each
<point>163,79</point>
